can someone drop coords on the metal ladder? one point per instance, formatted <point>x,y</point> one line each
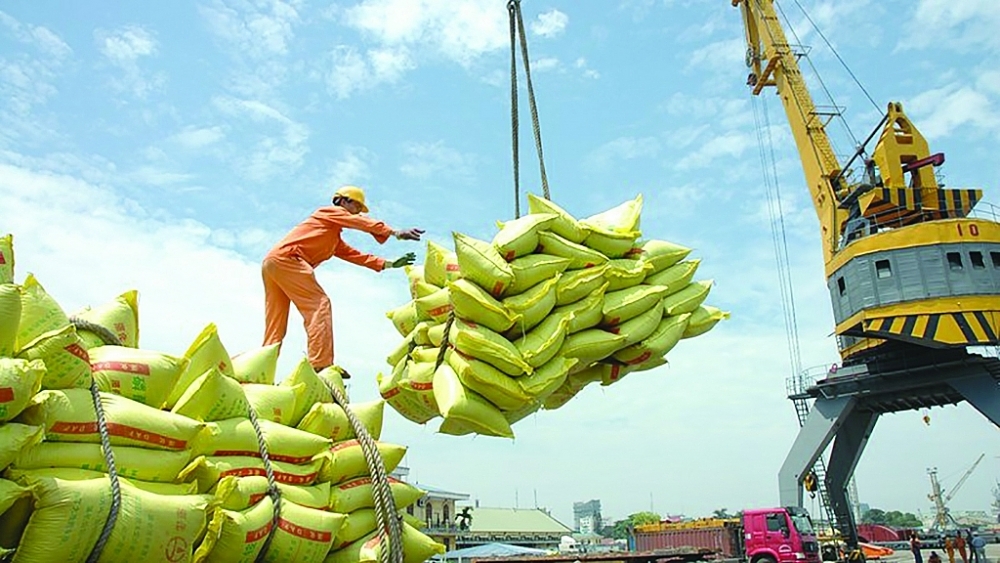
<point>796,388</point>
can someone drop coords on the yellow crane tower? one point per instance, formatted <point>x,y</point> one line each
<point>913,275</point>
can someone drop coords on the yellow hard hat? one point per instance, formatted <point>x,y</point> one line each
<point>353,193</point>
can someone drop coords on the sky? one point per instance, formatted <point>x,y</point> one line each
<point>167,146</point>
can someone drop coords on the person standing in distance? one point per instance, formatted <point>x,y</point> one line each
<point>288,269</point>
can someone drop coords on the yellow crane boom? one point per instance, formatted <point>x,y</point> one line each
<point>773,63</point>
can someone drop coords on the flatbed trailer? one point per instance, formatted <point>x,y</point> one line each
<point>682,555</point>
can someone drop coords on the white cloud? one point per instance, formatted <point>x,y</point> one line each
<point>964,25</point>
<point>622,148</point>
<point>545,64</point>
<point>351,71</point>
<point>25,84</point>
<point>124,48</point>
<point>719,55</point>
<point>581,63</point>
<point>944,110</point>
<point>730,112</point>
<point>258,36</point>
<point>158,176</point>
<point>274,152</point>
<point>550,24</point>
<point>437,160</point>
<point>352,167</point>
<point>28,82</point>
<point>126,45</point>
<point>731,144</point>
<point>461,30</point>
<point>496,77</point>
<point>834,18</point>
<point>254,29</point>
<point>989,81</point>
<point>41,37</point>
<point>198,137</point>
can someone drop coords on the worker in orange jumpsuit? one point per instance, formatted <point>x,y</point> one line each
<point>960,546</point>
<point>288,269</point>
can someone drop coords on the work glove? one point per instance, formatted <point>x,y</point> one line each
<point>404,260</point>
<point>409,234</point>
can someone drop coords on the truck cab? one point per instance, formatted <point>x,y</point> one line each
<point>779,535</point>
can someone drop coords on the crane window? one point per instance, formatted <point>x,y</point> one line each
<point>955,261</point>
<point>995,256</point>
<point>841,286</point>
<point>976,258</point>
<point>883,269</point>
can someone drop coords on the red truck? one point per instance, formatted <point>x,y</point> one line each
<point>766,535</point>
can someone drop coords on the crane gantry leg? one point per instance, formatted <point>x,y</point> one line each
<point>982,393</point>
<point>848,445</point>
<point>847,405</point>
<point>825,418</point>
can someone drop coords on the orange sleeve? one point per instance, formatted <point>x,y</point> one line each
<point>336,216</point>
<point>354,256</point>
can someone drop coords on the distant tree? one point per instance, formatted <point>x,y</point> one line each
<point>874,516</point>
<point>903,519</point>
<point>893,518</point>
<point>621,528</point>
<point>721,513</point>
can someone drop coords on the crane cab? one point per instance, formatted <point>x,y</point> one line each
<point>913,265</point>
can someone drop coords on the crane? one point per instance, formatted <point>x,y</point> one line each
<point>913,276</point>
<point>942,516</point>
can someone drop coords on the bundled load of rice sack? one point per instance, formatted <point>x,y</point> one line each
<point>498,330</point>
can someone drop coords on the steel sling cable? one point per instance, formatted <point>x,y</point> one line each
<point>110,339</point>
<point>390,530</point>
<point>536,127</point>
<point>514,125</point>
<point>836,54</point>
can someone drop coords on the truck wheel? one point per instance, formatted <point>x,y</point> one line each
<point>765,559</point>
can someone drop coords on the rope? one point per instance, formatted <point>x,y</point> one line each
<point>109,460</point>
<point>111,339</point>
<point>390,530</point>
<point>516,22</point>
<point>272,488</point>
<point>105,334</point>
<point>444,341</point>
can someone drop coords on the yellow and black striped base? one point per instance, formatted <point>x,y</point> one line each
<point>938,330</point>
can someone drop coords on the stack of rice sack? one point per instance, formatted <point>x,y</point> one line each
<point>550,305</point>
<point>193,483</point>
